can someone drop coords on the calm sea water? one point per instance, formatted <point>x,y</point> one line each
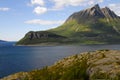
<point>25,58</point>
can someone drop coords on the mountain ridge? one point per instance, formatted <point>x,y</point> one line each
<point>2,41</point>
<point>94,25</point>
<point>94,11</point>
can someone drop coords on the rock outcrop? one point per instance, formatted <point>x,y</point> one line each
<point>39,37</point>
<point>94,12</point>
<point>100,64</point>
<point>108,13</point>
<point>42,34</point>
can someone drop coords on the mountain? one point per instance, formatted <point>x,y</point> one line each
<point>93,13</point>
<point>94,25</point>
<point>40,37</point>
<point>94,65</point>
<point>7,43</point>
<point>1,41</point>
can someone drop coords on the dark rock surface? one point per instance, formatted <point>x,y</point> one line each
<point>93,12</point>
<point>42,34</point>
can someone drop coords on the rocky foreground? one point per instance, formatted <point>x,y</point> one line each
<point>95,65</point>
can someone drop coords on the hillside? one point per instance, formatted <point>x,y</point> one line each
<point>36,38</point>
<point>94,65</point>
<point>94,25</point>
<point>2,41</point>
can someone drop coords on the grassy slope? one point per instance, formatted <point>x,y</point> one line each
<point>100,31</point>
<point>36,41</point>
<point>89,32</point>
<point>102,64</point>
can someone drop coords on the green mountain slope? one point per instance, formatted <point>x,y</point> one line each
<point>94,25</point>
<point>40,37</point>
<point>101,31</point>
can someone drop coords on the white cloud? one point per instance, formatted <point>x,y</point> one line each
<point>40,10</point>
<point>4,9</point>
<point>100,0</point>
<point>115,8</point>
<point>44,22</point>
<point>58,4</point>
<point>37,2</point>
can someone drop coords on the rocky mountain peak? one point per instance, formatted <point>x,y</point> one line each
<point>93,13</point>
<point>96,7</point>
<point>94,25</point>
<point>107,8</point>
<point>108,13</point>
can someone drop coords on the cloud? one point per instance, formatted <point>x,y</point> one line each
<point>115,7</point>
<point>58,4</point>
<point>44,22</point>
<point>4,9</point>
<point>37,2</point>
<point>40,10</point>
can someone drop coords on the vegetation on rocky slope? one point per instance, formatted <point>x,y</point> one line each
<point>94,25</point>
<point>95,65</point>
<point>99,32</point>
<point>40,37</point>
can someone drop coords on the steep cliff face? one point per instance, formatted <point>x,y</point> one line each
<point>108,13</point>
<point>90,13</point>
<point>39,37</point>
<point>42,34</point>
<point>93,13</point>
<point>94,25</point>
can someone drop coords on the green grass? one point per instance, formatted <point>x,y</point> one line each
<point>76,71</point>
<point>78,67</point>
<point>99,32</point>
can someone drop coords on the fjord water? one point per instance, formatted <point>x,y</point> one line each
<point>25,58</point>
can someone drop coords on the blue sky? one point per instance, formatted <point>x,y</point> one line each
<point>17,17</point>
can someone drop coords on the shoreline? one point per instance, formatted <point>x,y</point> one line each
<point>58,44</point>
<point>98,60</point>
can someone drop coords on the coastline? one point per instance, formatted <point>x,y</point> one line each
<point>98,61</point>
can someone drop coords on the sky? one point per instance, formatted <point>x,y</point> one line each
<point>17,17</point>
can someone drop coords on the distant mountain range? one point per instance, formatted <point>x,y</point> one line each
<point>2,41</point>
<point>94,25</point>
